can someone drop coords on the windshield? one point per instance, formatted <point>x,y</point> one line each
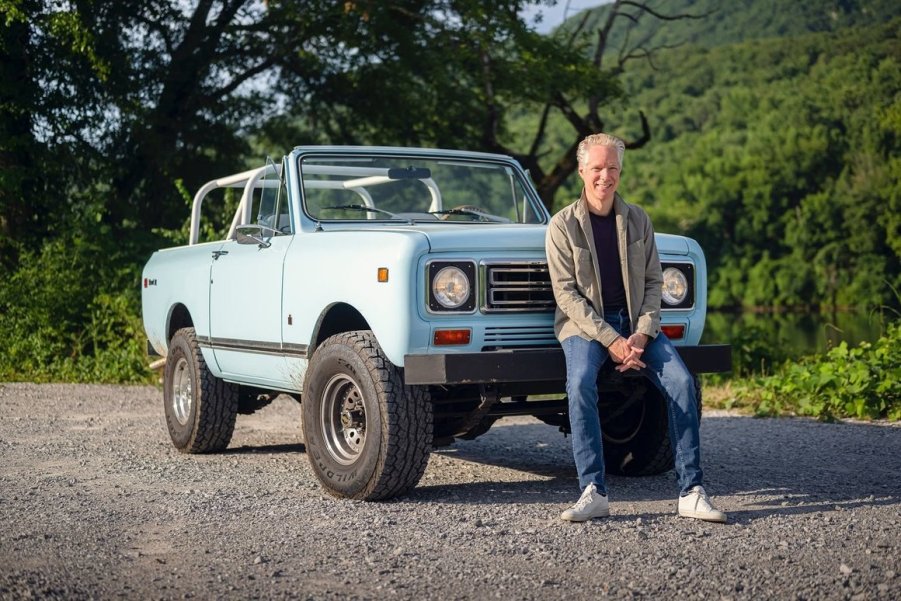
<point>354,188</point>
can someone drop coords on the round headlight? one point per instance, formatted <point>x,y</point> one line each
<point>451,287</point>
<point>675,286</point>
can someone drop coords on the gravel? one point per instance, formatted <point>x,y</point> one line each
<point>96,503</point>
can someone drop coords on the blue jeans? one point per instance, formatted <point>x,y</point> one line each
<point>665,370</point>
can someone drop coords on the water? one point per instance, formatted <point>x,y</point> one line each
<point>761,341</point>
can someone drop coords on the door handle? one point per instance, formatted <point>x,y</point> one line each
<point>219,253</point>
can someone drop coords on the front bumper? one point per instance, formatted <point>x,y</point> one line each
<point>533,365</point>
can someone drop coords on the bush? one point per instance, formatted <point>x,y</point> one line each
<point>862,382</point>
<point>70,315</point>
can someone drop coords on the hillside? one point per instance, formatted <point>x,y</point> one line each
<point>781,153</point>
<point>782,158</point>
<point>735,21</point>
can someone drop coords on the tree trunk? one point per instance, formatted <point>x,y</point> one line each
<point>19,201</point>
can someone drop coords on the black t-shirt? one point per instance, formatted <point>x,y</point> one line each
<point>613,293</point>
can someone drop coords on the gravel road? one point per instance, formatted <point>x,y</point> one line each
<point>96,503</point>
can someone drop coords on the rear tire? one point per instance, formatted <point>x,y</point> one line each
<point>200,408</point>
<point>368,436</point>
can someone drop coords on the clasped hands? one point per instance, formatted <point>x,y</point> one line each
<point>627,351</point>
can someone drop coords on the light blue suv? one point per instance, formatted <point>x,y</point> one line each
<point>402,296</point>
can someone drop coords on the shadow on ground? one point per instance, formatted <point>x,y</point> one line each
<point>769,466</point>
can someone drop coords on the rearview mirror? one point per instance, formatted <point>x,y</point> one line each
<point>410,172</point>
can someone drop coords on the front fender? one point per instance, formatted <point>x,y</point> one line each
<point>332,273</point>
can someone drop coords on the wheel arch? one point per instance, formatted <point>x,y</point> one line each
<point>179,317</point>
<point>337,318</point>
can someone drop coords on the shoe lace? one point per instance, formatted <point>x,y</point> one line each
<point>703,501</point>
<point>584,501</point>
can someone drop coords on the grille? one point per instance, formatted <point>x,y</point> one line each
<point>497,338</point>
<point>522,286</point>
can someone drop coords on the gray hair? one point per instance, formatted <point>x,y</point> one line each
<point>600,140</point>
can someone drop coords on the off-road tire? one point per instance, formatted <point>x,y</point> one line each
<point>200,408</point>
<point>368,436</point>
<point>649,451</point>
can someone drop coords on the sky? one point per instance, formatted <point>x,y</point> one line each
<point>555,15</point>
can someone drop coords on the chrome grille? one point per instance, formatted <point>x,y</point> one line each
<point>518,286</point>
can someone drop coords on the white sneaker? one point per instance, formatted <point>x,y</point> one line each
<point>696,504</point>
<point>590,505</point>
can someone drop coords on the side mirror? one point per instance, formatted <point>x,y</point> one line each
<point>254,234</point>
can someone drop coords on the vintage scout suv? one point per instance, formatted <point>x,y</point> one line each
<point>402,296</point>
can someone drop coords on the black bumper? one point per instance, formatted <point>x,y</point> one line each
<point>534,365</point>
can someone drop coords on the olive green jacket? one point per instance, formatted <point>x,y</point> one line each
<point>573,265</point>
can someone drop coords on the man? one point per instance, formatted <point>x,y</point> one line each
<point>607,283</point>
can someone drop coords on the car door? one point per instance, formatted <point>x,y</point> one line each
<point>246,292</point>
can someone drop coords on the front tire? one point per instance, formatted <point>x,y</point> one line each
<point>200,408</point>
<point>368,436</point>
<point>636,440</point>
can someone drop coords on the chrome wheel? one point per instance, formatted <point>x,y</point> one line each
<point>343,419</point>
<point>182,391</point>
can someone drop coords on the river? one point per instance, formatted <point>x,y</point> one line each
<point>761,340</point>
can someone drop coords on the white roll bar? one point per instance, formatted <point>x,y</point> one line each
<point>247,180</point>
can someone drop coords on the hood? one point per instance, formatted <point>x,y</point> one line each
<point>453,238</point>
<point>668,244</point>
<point>443,238</point>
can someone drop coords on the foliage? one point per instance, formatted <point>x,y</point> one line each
<point>782,158</point>
<point>862,382</point>
<point>753,352</point>
<point>69,314</point>
<point>717,23</point>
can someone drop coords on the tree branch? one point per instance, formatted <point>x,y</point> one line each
<point>566,165</point>
<point>575,33</point>
<point>539,135</point>
<point>156,25</point>
<point>239,79</point>
<point>569,112</point>
<point>644,7</point>
<point>603,34</point>
<point>645,133</point>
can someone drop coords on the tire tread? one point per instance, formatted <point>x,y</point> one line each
<point>217,404</point>
<point>406,429</point>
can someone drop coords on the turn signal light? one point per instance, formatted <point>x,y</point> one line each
<point>448,337</point>
<point>673,332</point>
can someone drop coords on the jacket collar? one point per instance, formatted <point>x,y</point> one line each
<point>620,207</point>
<point>620,210</point>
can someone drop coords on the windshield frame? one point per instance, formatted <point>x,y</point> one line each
<point>523,195</point>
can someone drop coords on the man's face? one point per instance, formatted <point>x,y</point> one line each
<point>600,174</point>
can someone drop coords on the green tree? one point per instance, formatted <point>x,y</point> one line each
<point>781,158</point>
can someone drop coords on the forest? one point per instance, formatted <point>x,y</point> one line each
<point>768,130</point>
